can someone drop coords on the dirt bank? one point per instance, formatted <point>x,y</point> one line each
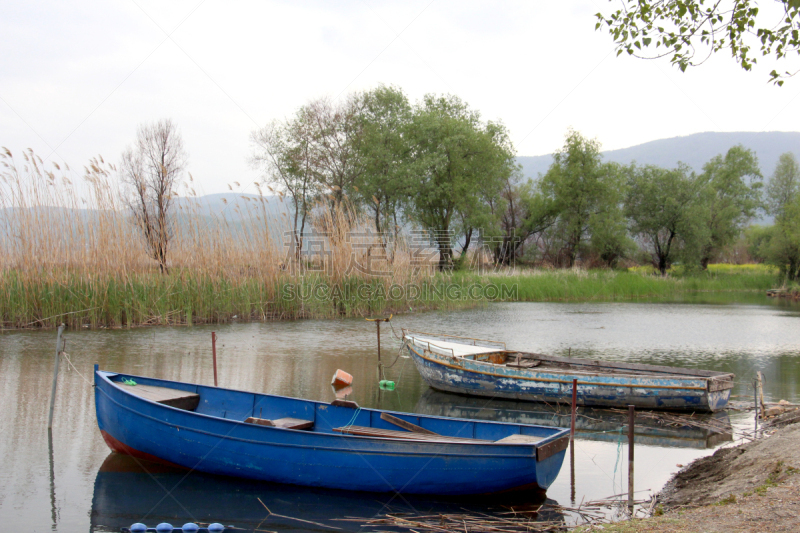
<point>754,487</point>
<point>737,470</point>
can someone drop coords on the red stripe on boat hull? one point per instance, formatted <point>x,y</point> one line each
<point>120,447</point>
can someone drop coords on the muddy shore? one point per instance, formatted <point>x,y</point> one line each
<point>751,487</point>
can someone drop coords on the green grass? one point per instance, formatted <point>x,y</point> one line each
<point>183,297</point>
<point>609,285</point>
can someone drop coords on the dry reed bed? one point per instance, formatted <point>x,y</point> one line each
<point>70,252</point>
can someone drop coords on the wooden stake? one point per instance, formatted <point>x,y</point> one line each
<point>574,410</point>
<point>572,473</point>
<point>378,323</point>
<point>761,393</point>
<point>214,353</point>
<point>755,403</point>
<point>631,419</point>
<point>55,377</point>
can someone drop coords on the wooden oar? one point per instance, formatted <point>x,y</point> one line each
<point>406,425</point>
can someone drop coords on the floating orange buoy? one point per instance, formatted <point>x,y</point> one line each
<point>341,379</point>
<point>342,394</point>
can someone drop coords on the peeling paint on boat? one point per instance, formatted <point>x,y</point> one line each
<point>454,373</point>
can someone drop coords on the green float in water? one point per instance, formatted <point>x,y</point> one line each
<point>385,384</point>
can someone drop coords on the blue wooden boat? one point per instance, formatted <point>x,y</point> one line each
<point>338,445</point>
<point>486,368</point>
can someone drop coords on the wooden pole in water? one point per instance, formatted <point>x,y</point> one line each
<point>574,411</point>
<point>755,402</point>
<point>631,419</point>
<point>572,439</point>
<point>378,323</point>
<point>55,377</point>
<point>214,353</point>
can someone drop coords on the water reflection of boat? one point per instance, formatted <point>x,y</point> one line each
<point>129,490</point>
<point>458,364</point>
<point>707,430</point>
<point>337,445</point>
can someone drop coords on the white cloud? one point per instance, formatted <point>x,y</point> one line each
<point>81,76</point>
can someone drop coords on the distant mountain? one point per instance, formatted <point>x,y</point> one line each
<point>694,150</point>
<point>233,206</point>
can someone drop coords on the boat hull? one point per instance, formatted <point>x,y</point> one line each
<point>478,378</point>
<point>225,445</point>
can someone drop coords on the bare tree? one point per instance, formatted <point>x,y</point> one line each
<point>153,168</point>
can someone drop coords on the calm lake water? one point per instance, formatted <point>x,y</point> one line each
<point>74,484</point>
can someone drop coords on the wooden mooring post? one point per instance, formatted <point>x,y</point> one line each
<point>755,405</point>
<point>631,421</point>
<point>378,325</point>
<point>574,411</point>
<point>214,354</point>
<point>55,376</point>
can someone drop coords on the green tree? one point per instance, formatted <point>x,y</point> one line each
<point>665,212</point>
<point>685,30</point>
<point>459,161</point>
<point>585,192</point>
<point>784,185</point>
<point>782,247</point>
<point>385,153</point>
<point>732,196</point>
<point>283,151</point>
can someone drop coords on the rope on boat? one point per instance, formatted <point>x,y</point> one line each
<point>353,419</point>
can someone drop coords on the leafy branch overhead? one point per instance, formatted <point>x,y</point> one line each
<point>690,31</point>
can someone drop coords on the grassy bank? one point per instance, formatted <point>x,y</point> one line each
<point>188,296</point>
<point>181,298</point>
<point>609,285</point>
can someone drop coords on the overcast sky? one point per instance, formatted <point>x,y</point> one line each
<point>76,78</point>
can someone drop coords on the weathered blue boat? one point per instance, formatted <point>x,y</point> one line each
<point>487,368</point>
<point>303,442</point>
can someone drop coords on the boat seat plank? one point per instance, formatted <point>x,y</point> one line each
<point>259,421</point>
<point>293,423</point>
<point>520,439</point>
<point>285,423</point>
<point>180,399</point>
<point>408,435</point>
<point>523,362</point>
